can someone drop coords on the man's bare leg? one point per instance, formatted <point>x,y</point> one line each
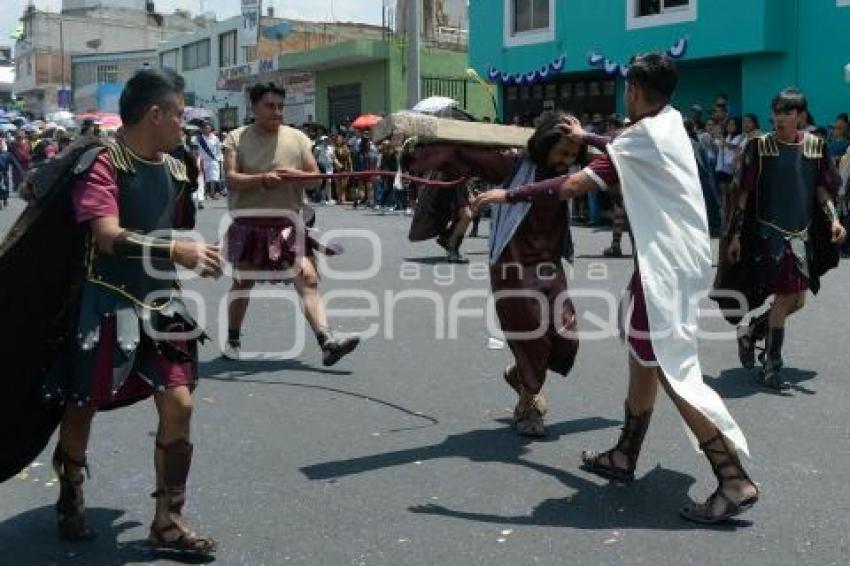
<point>172,461</point>
<point>619,462</point>
<point>237,308</point>
<point>458,232</point>
<point>69,462</point>
<point>307,285</point>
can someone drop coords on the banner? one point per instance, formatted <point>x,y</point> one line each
<point>233,78</point>
<point>249,31</point>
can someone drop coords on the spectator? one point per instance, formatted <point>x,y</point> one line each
<point>838,141</point>
<point>343,159</point>
<point>707,180</point>
<point>209,150</point>
<point>728,152</point>
<point>21,151</point>
<point>696,117</point>
<point>5,166</point>
<point>389,162</point>
<point>326,159</point>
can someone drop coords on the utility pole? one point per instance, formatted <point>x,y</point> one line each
<point>62,55</point>
<point>414,34</point>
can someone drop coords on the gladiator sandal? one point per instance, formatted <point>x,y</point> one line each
<point>176,535</point>
<point>529,414</point>
<point>629,445</point>
<point>752,333</point>
<point>771,372</point>
<point>71,507</point>
<point>727,467</point>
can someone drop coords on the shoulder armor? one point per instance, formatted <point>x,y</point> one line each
<point>87,159</point>
<point>177,168</point>
<point>768,146</point>
<point>812,146</point>
<point>121,158</point>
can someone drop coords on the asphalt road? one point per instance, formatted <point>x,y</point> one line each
<point>401,454</point>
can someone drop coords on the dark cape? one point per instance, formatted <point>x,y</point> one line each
<point>41,270</point>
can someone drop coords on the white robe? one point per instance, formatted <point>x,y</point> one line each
<point>663,198</point>
<point>210,166</point>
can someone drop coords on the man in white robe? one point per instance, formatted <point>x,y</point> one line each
<point>654,167</point>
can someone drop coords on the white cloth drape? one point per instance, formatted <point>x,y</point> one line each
<point>664,203</point>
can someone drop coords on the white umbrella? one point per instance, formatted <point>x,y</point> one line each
<point>435,105</point>
<point>60,116</point>
<point>194,113</point>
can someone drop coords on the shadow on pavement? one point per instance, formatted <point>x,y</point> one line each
<point>31,538</point>
<point>652,502</point>
<point>738,383</point>
<point>329,389</point>
<point>230,370</point>
<point>484,445</point>
<point>432,260</point>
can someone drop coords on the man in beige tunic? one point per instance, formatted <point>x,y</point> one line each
<point>267,241</point>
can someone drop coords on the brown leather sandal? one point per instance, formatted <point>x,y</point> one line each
<point>177,459</point>
<point>721,458</point>
<point>71,506</point>
<point>184,539</point>
<point>629,445</point>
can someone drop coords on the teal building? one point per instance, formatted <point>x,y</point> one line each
<point>570,53</point>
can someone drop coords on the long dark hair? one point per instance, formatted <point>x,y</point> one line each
<point>546,136</point>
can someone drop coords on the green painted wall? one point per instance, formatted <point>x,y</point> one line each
<point>384,82</point>
<point>701,81</point>
<point>372,79</point>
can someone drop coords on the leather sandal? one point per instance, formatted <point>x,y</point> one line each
<point>628,445</point>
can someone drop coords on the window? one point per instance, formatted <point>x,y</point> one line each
<point>655,7</point>
<point>196,55</point>
<point>168,59</point>
<point>529,15</point>
<point>650,13</point>
<point>29,65</point>
<point>227,49</point>
<point>107,74</point>
<point>529,21</point>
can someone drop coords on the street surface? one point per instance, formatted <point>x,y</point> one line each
<point>402,454</point>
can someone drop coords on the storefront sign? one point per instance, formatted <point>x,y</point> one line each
<point>232,78</point>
